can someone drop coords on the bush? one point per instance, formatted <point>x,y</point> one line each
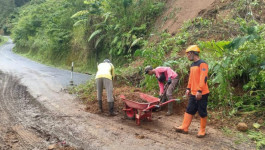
<point>238,64</point>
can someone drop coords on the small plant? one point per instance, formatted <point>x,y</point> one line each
<point>227,131</point>
<point>85,91</point>
<point>2,40</point>
<point>258,137</point>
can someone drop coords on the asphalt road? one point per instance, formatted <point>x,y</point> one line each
<point>27,70</point>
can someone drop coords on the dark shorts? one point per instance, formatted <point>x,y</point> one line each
<point>198,105</point>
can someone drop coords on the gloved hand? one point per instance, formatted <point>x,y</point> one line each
<point>169,81</point>
<point>162,98</point>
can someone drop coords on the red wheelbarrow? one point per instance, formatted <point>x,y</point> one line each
<point>140,111</point>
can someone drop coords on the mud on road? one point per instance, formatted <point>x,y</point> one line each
<point>26,123</point>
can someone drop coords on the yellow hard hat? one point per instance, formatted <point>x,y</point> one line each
<point>193,48</point>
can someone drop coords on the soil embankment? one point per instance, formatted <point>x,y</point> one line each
<point>179,11</point>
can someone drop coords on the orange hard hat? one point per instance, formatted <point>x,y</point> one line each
<point>193,48</point>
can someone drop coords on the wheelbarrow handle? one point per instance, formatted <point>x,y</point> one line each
<point>162,104</point>
<point>169,101</point>
<point>151,107</point>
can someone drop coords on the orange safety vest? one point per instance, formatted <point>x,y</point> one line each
<point>198,78</point>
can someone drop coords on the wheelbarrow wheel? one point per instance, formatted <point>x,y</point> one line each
<point>130,114</point>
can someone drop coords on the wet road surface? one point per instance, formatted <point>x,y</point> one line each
<point>26,69</point>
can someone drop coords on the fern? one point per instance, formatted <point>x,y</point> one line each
<point>80,13</point>
<point>94,34</point>
<point>99,40</point>
<point>80,22</point>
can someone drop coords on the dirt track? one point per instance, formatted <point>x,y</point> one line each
<point>27,124</point>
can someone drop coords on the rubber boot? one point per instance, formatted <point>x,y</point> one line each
<point>170,109</point>
<point>185,124</point>
<point>100,106</point>
<point>201,133</point>
<point>111,109</point>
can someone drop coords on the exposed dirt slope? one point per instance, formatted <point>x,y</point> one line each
<point>178,11</point>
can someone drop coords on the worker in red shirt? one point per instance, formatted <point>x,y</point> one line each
<point>197,91</point>
<point>164,74</point>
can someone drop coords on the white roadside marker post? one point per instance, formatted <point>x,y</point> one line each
<point>72,71</point>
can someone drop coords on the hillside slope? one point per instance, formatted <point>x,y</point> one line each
<point>213,24</point>
<point>178,11</point>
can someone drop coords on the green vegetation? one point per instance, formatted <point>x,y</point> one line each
<point>240,137</point>
<point>44,30</point>
<point>3,40</point>
<point>7,10</point>
<point>58,32</point>
<point>259,137</point>
<point>238,64</point>
<point>154,55</point>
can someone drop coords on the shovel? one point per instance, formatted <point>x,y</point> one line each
<point>163,98</point>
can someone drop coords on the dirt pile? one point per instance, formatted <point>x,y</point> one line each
<point>135,97</point>
<point>131,93</point>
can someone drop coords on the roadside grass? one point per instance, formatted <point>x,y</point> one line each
<point>258,137</point>
<point>239,136</point>
<point>3,40</point>
<point>254,134</point>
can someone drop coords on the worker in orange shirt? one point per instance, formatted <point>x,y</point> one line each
<point>197,91</point>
